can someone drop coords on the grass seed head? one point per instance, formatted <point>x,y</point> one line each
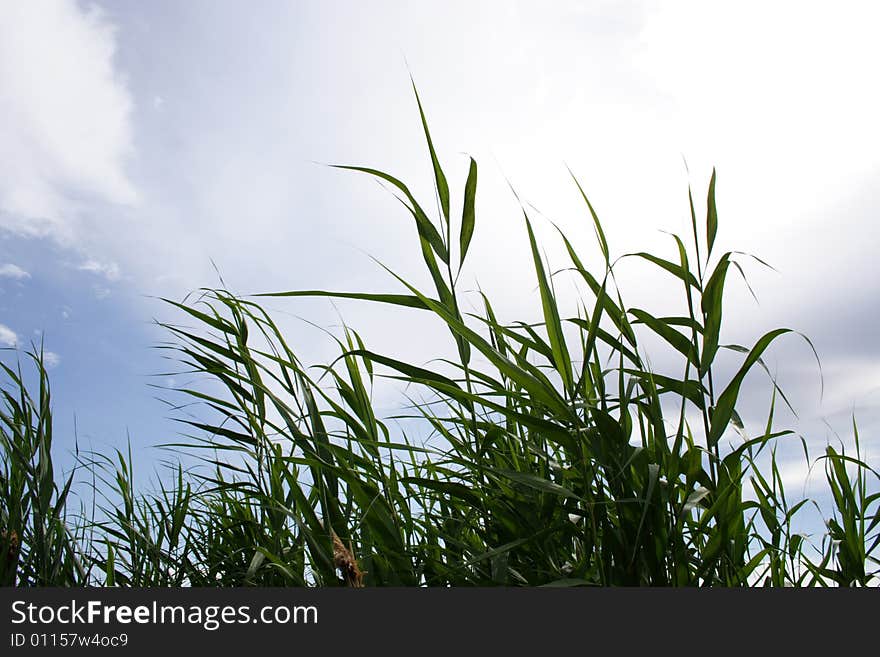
<point>10,541</point>
<point>346,563</point>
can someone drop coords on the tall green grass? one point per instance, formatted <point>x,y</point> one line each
<point>556,456</point>
<point>38,547</point>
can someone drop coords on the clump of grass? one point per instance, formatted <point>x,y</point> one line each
<point>557,455</point>
<point>852,539</point>
<point>38,546</point>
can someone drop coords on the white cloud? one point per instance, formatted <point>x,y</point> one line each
<point>850,382</point>
<point>8,338</point>
<point>64,117</point>
<point>10,270</point>
<point>51,359</point>
<point>109,270</point>
<point>774,94</point>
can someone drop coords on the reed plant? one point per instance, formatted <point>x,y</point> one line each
<point>555,455</point>
<point>38,545</point>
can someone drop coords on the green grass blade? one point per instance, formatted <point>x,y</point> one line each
<point>561,357</point>
<point>711,305</point>
<point>468,215</point>
<point>597,225</point>
<point>439,176</point>
<point>406,300</point>
<point>727,400</point>
<point>425,228</point>
<point>711,215</point>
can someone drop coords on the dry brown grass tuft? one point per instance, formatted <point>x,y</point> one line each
<point>346,563</point>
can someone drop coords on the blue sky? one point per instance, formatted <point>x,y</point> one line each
<point>141,141</point>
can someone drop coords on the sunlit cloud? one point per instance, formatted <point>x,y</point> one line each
<point>8,338</point>
<point>10,270</point>
<point>65,113</point>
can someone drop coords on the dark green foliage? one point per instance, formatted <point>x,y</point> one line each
<point>38,547</point>
<point>557,457</point>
